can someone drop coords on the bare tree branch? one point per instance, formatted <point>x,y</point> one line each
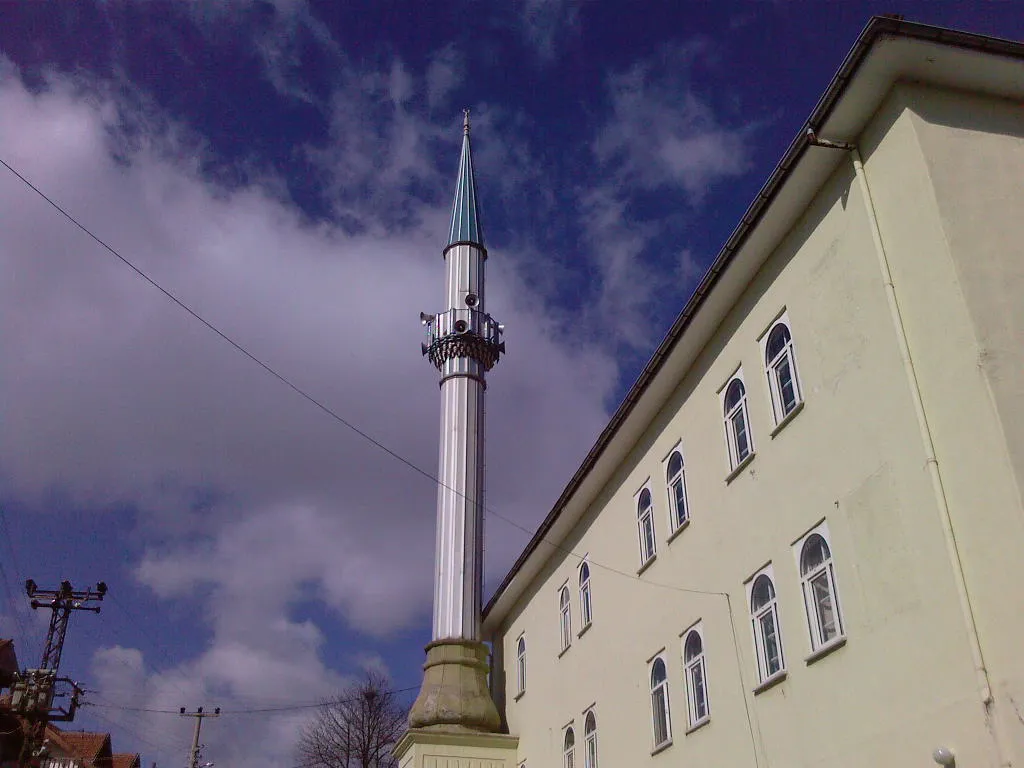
<point>358,728</point>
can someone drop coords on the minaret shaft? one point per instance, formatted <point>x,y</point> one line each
<point>457,595</point>
<point>458,568</point>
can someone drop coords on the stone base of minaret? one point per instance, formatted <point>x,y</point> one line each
<point>454,696</point>
<point>453,721</point>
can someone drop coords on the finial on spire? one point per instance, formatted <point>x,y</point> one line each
<point>465,122</point>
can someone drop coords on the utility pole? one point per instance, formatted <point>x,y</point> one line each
<point>33,693</point>
<point>193,755</point>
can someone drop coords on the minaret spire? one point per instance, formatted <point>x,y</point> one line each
<point>465,226</point>
<point>463,343</point>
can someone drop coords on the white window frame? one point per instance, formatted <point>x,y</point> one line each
<point>677,521</point>
<point>646,517</point>
<point>521,663</point>
<point>826,572</point>
<point>788,354</point>
<point>568,749</point>
<point>565,616</point>
<point>757,616</point>
<point>729,424</point>
<point>692,668</point>
<point>665,708</point>
<point>586,596</point>
<point>589,740</point>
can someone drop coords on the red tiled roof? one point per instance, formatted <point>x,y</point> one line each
<point>126,760</point>
<point>83,745</point>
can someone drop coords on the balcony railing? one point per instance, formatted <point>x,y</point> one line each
<point>463,333</point>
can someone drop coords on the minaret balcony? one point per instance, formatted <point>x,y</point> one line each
<point>463,333</point>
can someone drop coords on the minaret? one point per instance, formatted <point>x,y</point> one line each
<point>463,342</point>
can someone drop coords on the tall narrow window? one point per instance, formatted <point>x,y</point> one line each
<point>819,586</point>
<point>590,736</point>
<point>569,749</point>
<point>565,618</point>
<point>586,607</point>
<point>765,617</point>
<point>521,663</point>
<point>659,703</point>
<point>780,366</point>
<point>737,429</point>
<point>696,677</point>
<point>645,521</point>
<point>677,490</point>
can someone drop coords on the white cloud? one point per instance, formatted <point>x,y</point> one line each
<point>444,74</point>
<point>280,31</point>
<point>379,150</point>
<point>662,133</point>
<point>120,398</point>
<point>688,268</point>
<point>659,136</point>
<point>400,84</point>
<point>625,284</point>
<point>546,24</point>
<point>143,703</point>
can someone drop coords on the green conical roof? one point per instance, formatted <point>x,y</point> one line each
<point>465,226</point>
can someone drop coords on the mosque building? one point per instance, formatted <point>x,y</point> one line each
<point>798,540</point>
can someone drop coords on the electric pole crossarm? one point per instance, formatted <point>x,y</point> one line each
<point>62,601</point>
<point>193,755</point>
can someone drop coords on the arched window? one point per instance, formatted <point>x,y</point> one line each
<point>819,587</point>
<point>586,607</point>
<point>780,366</point>
<point>765,616</point>
<point>569,749</point>
<point>565,618</point>
<point>696,677</point>
<point>521,663</point>
<point>590,737</point>
<point>737,422</point>
<point>645,520</point>
<point>676,490</point>
<point>659,703</point>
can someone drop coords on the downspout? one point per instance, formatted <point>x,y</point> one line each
<point>999,742</point>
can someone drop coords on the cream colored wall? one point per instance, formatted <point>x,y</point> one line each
<point>954,238</point>
<point>904,682</point>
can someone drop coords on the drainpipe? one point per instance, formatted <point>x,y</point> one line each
<point>992,722</point>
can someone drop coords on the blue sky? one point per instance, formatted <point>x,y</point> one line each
<point>287,169</point>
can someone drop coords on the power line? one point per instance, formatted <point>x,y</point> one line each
<point>131,731</point>
<point>213,328</point>
<point>13,604</point>
<point>328,703</point>
<point>28,629</point>
<point>254,711</point>
<point>312,400</point>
